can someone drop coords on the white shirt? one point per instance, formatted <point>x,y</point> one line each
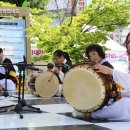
<point>124,80</point>
<point>104,60</point>
<point>61,74</point>
<point>64,62</point>
<point>2,69</point>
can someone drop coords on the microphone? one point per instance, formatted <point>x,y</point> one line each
<point>33,68</point>
<point>24,59</point>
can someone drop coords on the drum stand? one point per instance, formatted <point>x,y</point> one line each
<point>21,101</point>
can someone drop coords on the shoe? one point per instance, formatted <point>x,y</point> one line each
<point>78,114</point>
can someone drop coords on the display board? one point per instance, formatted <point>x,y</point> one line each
<point>12,39</point>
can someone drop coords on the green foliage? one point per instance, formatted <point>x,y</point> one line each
<point>6,4</point>
<point>37,3</point>
<point>31,3</point>
<point>10,1</point>
<point>104,15</point>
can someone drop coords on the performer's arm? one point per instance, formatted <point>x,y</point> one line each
<point>61,75</point>
<point>122,78</point>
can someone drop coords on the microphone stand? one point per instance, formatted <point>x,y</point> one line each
<point>21,101</point>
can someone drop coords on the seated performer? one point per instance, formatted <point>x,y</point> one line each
<point>7,72</point>
<point>63,63</point>
<point>119,110</point>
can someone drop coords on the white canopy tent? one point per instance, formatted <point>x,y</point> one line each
<point>117,55</point>
<point>112,45</point>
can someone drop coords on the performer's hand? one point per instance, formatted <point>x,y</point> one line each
<point>103,69</point>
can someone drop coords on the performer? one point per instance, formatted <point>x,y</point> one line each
<point>9,73</point>
<point>119,110</point>
<point>62,60</point>
<point>95,53</point>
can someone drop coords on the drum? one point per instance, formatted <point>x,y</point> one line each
<point>86,90</point>
<point>30,82</point>
<point>31,77</point>
<point>47,84</point>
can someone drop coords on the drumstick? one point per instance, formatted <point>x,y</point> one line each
<point>51,77</point>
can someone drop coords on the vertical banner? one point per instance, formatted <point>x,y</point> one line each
<point>12,39</point>
<point>81,4</point>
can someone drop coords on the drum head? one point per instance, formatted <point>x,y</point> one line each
<point>47,84</point>
<point>83,89</point>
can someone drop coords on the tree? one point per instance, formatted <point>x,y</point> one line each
<point>14,1</point>
<point>10,1</point>
<point>37,3</point>
<point>99,18</point>
<point>6,4</point>
<point>31,3</point>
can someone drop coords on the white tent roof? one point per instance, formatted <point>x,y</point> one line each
<point>112,45</point>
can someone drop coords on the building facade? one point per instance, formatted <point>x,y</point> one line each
<point>119,35</point>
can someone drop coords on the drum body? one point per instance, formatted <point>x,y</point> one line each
<point>47,84</point>
<point>31,77</point>
<point>30,82</point>
<point>86,90</point>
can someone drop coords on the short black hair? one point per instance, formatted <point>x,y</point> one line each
<point>97,48</point>
<point>50,66</point>
<point>1,50</point>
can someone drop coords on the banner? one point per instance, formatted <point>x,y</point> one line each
<point>115,56</point>
<point>36,52</point>
<point>119,60</point>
